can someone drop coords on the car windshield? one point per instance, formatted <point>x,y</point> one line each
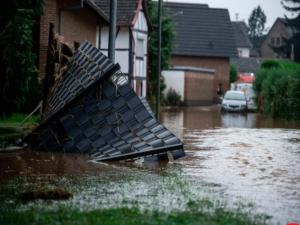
<point>234,96</point>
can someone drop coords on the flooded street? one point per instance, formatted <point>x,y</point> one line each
<point>236,158</point>
<point>246,157</point>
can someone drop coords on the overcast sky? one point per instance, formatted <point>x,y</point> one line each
<point>272,8</point>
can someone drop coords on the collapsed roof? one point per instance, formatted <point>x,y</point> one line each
<point>94,110</point>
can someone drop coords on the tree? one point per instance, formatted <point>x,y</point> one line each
<point>256,23</point>
<point>18,73</point>
<point>294,23</point>
<point>168,34</point>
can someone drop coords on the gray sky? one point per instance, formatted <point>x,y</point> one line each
<point>272,8</point>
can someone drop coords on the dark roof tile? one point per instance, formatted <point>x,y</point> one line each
<point>201,31</point>
<point>246,65</point>
<point>126,10</point>
<point>240,33</point>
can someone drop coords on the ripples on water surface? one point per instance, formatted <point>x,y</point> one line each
<point>247,157</point>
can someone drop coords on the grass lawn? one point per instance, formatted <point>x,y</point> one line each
<point>124,216</point>
<point>16,119</point>
<point>15,211</point>
<point>14,127</point>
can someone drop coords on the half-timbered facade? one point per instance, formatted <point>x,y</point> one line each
<point>131,40</point>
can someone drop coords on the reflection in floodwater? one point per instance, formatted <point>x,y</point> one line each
<point>242,155</point>
<point>238,157</point>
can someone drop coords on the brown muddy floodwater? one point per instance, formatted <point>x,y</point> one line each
<point>246,156</point>
<point>238,158</point>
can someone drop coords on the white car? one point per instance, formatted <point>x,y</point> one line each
<point>234,101</point>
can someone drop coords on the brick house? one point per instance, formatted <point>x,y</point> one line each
<point>80,20</point>
<point>203,39</point>
<point>133,26</point>
<point>75,20</point>
<point>276,37</point>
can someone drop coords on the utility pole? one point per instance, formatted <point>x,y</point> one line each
<point>112,29</point>
<point>157,108</point>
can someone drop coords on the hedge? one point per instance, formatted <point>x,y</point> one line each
<point>277,87</point>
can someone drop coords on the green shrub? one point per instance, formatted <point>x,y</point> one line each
<point>270,64</point>
<point>233,74</point>
<point>278,89</point>
<point>172,97</point>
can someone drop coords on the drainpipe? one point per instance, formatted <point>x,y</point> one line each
<point>112,30</point>
<point>157,108</point>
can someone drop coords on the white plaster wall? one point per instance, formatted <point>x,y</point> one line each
<point>104,38</point>
<point>140,31</point>
<point>244,52</point>
<point>121,57</point>
<point>122,40</point>
<point>141,23</point>
<point>175,80</point>
<point>122,47</point>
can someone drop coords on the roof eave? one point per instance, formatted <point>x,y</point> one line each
<point>142,3</point>
<point>98,10</point>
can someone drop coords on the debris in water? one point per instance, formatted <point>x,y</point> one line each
<point>93,109</point>
<point>55,194</point>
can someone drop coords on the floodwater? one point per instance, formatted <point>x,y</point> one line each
<point>247,157</point>
<point>238,158</point>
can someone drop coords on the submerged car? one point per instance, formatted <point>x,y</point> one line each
<point>234,101</point>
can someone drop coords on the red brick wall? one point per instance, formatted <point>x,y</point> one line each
<point>75,25</point>
<point>220,65</point>
<point>50,15</point>
<point>198,88</point>
<point>78,25</point>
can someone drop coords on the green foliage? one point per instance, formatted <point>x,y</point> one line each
<point>19,87</point>
<point>256,23</point>
<point>270,64</point>
<point>17,118</point>
<point>233,74</point>
<point>168,34</point>
<point>294,24</point>
<point>172,97</point>
<point>277,86</point>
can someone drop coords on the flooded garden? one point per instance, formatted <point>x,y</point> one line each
<point>239,169</point>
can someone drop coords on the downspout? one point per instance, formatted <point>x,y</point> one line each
<point>112,30</point>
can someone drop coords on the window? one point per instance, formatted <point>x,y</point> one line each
<point>141,85</point>
<point>240,53</point>
<point>278,41</point>
<point>272,41</point>
<point>140,48</point>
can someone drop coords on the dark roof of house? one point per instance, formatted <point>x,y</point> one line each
<point>126,10</point>
<point>201,31</point>
<point>98,10</point>
<point>285,23</point>
<point>240,34</point>
<point>246,65</point>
